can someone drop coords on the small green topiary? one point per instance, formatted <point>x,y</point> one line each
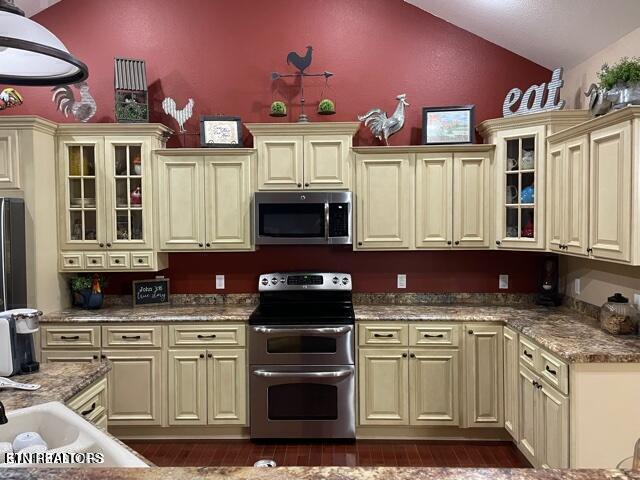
<point>326,105</point>
<point>626,71</point>
<point>278,107</point>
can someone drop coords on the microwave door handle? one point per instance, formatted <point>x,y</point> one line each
<point>304,331</point>
<point>326,221</point>
<point>336,374</point>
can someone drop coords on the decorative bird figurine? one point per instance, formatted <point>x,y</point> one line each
<point>10,97</point>
<point>65,101</point>
<point>381,126</point>
<point>301,63</point>
<point>180,116</point>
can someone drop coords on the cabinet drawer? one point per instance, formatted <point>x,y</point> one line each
<point>101,422</point>
<point>71,261</point>
<point>393,334</point>
<point>434,334</point>
<point>528,353</point>
<point>70,337</point>
<point>73,356</point>
<point>118,260</point>
<point>92,403</point>
<point>554,371</point>
<point>150,336</point>
<point>141,260</point>
<point>223,335</point>
<point>95,261</point>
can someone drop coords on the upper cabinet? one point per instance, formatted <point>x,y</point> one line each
<point>594,167</point>
<point>313,156</point>
<point>105,196</point>
<point>204,199</point>
<point>9,167</point>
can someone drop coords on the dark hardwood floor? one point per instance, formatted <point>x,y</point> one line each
<point>362,453</point>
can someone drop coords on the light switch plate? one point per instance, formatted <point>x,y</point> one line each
<point>577,288</point>
<point>402,280</point>
<point>636,299</point>
<point>503,282</point>
<point>220,282</point>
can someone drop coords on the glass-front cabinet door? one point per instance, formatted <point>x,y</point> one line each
<point>128,194</point>
<point>520,188</point>
<point>82,195</point>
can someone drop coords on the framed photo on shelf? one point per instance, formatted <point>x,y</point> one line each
<point>448,125</point>
<point>217,131</point>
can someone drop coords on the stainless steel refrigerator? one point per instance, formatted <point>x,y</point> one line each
<point>13,262</point>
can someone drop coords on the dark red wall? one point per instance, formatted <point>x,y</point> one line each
<point>221,53</point>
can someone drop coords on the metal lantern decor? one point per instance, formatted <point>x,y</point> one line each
<point>132,100</point>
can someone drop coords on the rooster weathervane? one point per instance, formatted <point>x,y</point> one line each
<point>301,63</point>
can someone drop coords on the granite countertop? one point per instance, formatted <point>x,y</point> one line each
<point>311,473</point>
<point>60,383</point>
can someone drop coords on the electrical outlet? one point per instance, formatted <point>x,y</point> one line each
<point>636,299</point>
<point>220,282</point>
<point>402,280</point>
<point>503,282</point>
<point>577,288</point>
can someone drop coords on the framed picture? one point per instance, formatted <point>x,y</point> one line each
<point>151,292</point>
<point>220,131</point>
<point>445,125</point>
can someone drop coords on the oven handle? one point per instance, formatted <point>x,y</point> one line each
<point>336,374</point>
<point>304,331</point>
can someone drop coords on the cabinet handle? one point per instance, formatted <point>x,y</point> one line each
<point>208,244</point>
<point>428,335</point>
<point>457,242</point>
<point>552,372</point>
<point>539,386</point>
<point>527,354</point>
<point>498,242</point>
<point>589,250</point>
<point>360,244</point>
<point>299,185</point>
<point>213,335</point>
<point>140,260</point>
<point>534,383</point>
<point>404,355</point>
<point>95,357</point>
<point>90,410</point>
<point>306,184</point>
<point>210,355</point>
<point>448,242</point>
<point>470,332</point>
<point>71,261</point>
<point>103,357</point>
<point>131,337</point>
<point>108,245</point>
<point>101,245</point>
<point>94,261</point>
<point>412,355</point>
<point>117,260</point>
<point>71,337</point>
<point>201,245</point>
<point>383,335</point>
<point>202,355</point>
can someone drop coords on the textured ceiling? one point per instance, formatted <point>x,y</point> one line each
<point>31,7</point>
<point>552,33</point>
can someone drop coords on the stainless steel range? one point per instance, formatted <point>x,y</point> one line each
<point>301,357</point>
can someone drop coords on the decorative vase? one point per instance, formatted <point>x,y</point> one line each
<point>326,107</point>
<point>86,299</point>
<point>278,109</point>
<point>624,94</point>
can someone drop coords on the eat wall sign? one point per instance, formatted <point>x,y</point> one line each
<point>531,101</point>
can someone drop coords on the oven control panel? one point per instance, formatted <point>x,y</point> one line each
<point>270,282</point>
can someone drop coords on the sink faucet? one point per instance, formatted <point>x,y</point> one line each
<point>3,415</point>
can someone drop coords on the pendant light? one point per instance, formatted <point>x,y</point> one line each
<point>32,55</point>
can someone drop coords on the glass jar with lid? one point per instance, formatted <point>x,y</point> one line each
<point>618,316</point>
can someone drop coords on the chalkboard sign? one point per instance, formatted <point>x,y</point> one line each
<point>150,292</point>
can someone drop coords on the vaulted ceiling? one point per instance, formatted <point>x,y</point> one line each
<point>552,33</point>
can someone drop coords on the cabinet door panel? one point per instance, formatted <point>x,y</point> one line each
<point>181,203</point>
<point>384,194</point>
<point>528,414</point>
<point>434,200</point>
<point>553,428</point>
<point>576,209</point>
<point>187,387</point>
<point>134,387</point>
<point>555,199</point>
<point>484,357</point>
<point>9,166</point>
<point>434,387</point>
<point>327,162</point>
<point>470,204</point>
<point>226,371</point>
<point>510,339</point>
<point>610,165</point>
<point>280,166</point>
<point>384,395</point>
<point>228,200</point>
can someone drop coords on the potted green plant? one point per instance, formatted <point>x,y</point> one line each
<point>86,291</point>
<point>278,109</point>
<point>326,107</point>
<point>621,81</point>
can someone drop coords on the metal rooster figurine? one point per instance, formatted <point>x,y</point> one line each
<point>381,126</point>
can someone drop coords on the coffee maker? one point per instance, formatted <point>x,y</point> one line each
<point>17,346</point>
<point>549,283</point>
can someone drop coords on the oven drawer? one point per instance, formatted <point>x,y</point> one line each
<point>301,345</point>
<point>379,334</point>
<point>204,335</point>
<point>434,334</point>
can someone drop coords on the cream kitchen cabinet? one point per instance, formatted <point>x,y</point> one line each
<point>207,387</point>
<point>204,199</point>
<point>9,159</point>
<point>105,196</point>
<point>484,375</point>
<point>510,369</point>
<point>434,200</point>
<point>434,386</point>
<point>313,156</point>
<point>471,186</point>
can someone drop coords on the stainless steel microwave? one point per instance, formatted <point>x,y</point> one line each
<point>292,218</point>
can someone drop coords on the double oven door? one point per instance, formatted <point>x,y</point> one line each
<point>302,381</point>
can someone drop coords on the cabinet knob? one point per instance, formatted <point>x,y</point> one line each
<point>589,250</point>
<point>101,245</point>
<point>117,260</point>
<point>103,356</point>
<point>448,242</point>
<point>210,355</point>
<point>94,261</point>
<point>95,357</point>
<point>359,244</point>
<point>404,355</point>
<point>108,245</point>
<point>71,261</point>
<point>306,184</point>
<point>140,260</point>
<point>299,185</point>
<point>202,355</point>
<point>201,245</point>
<point>208,244</point>
<point>457,242</point>
<point>470,332</point>
<point>412,355</point>
<point>498,242</point>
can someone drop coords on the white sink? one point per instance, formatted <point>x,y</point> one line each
<point>65,431</point>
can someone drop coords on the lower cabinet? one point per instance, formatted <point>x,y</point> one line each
<point>92,403</point>
<point>510,368</point>
<point>207,387</point>
<point>434,387</point>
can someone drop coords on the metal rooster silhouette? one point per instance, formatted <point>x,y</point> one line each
<point>83,109</point>
<point>301,63</point>
<point>381,126</point>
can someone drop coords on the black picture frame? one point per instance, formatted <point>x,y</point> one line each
<point>470,138</point>
<point>205,119</point>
